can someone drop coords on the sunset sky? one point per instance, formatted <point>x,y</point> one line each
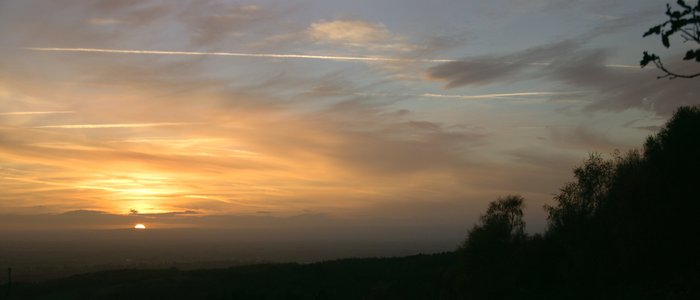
<point>405,111</point>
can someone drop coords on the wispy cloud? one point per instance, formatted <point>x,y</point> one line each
<point>364,140</point>
<point>358,34</point>
<point>22,113</point>
<point>239,54</point>
<point>100,126</point>
<point>514,95</point>
<point>492,96</point>
<point>351,32</point>
<point>103,21</point>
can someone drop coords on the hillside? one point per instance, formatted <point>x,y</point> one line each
<point>413,277</point>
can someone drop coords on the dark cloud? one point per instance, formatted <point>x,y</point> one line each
<point>606,86</point>
<point>489,69</point>
<point>646,124</point>
<point>618,89</point>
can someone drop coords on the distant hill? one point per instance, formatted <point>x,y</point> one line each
<point>412,277</point>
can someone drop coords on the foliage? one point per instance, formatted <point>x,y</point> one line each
<point>684,22</point>
<point>492,255</point>
<point>579,201</point>
<point>624,228</point>
<point>503,222</point>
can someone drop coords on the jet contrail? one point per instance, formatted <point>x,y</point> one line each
<point>22,113</point>
<point>275,55</point>
<point>606,65</point>
<point>623,66</point>
<point>237,54</point>
<point>100,126</point>
<point>467,97</point>
<point>486,96</point>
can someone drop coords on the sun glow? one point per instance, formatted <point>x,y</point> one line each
<point>140,226</point>
<point>145,192</point>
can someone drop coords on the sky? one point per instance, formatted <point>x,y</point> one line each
<point>227,114</point>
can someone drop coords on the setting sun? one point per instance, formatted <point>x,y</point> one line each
<point>279,149</point>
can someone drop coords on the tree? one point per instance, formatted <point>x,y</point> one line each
<point>580,200</point>
<point>503,222</point>
<point>491,252</point>
<point>684,22</point>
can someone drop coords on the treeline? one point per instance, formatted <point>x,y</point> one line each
<point>627,227</point>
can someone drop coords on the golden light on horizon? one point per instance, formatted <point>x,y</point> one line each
<point>161,130</point>
<point>140,226</point>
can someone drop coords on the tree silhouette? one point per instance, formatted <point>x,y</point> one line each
<point>684,22</point>
<point>502,224</point>
<point>578,201</point>
<point>624,226</point>
<point>490,251</point>
<point>622,229</point>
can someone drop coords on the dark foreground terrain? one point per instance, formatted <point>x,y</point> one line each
<point>413,277</point>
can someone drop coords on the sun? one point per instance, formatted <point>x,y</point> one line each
<point>140,226</point>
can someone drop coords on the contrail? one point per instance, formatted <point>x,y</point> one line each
<point>100,126</point>
<point>467,97</point>
<point>606,65</point>
<point>274,55</point>
<point>622,66</point>
<point>487,96</point>
<point>238,54</point>
<point>22,113</point>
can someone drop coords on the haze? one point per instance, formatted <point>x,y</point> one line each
<point>305,130</point>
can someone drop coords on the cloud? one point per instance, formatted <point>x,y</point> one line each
<point>524,64</point>
<point>101,21</point>
<point>618,90</point>
<point>214,22</point>
<point>99,126</point>
<point>24,113</point>
<point>352,33</point>
<point>572,64</point>
<point>494,96</point>
<point>247,156</point>
<point>488,69</point>
<point>600,84</point>
<point>128,13</point>
<point>374,37</point>
<point>269,133</point>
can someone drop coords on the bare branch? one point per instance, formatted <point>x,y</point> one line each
<point>669,74</point>
<point>684,22</point>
